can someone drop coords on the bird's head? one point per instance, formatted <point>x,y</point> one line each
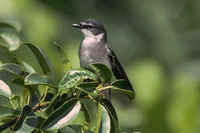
<point>91,28</point>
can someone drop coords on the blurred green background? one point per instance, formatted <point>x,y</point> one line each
<point>157,41</point>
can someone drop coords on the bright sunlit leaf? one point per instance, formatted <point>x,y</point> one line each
<point>5,89</point>
<point>9,36</point>
<point>63,115</point>
<point>73,77</point>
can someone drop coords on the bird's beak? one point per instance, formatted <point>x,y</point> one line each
<point>77,26</point>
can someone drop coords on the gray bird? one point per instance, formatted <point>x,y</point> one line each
<point>94,49</point>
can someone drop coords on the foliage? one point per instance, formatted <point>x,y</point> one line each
<point>35,102</point>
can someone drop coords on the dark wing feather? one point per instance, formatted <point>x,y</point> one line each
<point>118,70</point>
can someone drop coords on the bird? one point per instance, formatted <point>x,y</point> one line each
<point>94,48</point>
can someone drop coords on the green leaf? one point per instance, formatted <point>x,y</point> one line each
<point>14,69</point>
<point>103,72</point>
<point>25,129</point>
<point>33,120</point>
<point>26,111</point>
<point>6,55</point>
<point>67,130</point>
<point>113,115</point>
<point>99,116</point>
<point>5,111</point>
<point>41,58</point>
<point>63,56</point>
<point>7,123</point>
<point>9,36</point>
<point>86,113</point>
<point>37,79</point>
<point>10,24</point>
<point>63,115</point>
<point>15,102</point>
<point>4,101</point>
<point>88,86</point>
<point>120,86</point>
<point>106,122</point>
<point>5,89</point>
<point>73,77</point>
<point>28,68</point>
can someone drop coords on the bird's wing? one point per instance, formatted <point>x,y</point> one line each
<point>117,68</point>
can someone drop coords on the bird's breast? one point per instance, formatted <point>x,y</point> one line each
<point>92,52</point>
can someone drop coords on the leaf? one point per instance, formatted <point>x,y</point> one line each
<point>73,77</point>
<point>15,101</point>
<point>26,110</point>
<point>14,69</point>
<point>25,129</point>
<point>41,58</point>
<point>6,55</point>
<point>5,111</point>
<point>28,68</point>
<point>7,124</point>
<point>113,116</point>
<point>4,101</point>
<point>10,24</point>
<point>37,79</point>
<point>32,121</point>
<point>9,36</point>
<point>5,89</point>
<point>103,72</point>
<point>88,86</point>
<point>99,116</point>
<point>63,115</point>
<point>86,113</point>
<point>63,56</point>
<point>67,130</point>
<point>120,86</point>
<point>106,122</point>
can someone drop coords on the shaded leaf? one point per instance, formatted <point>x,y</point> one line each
<point>120,86</point>
<point>14,69</point>
<point>41,58</point>
<point>5,89</point>
<point>10,24</point>
<point>37,79</point>
<point>103,72</point>
<point>5,111</point>
<point>9,37</point>
<point>32,121</point>
<point>77,128</point>
<point>73,77</point>
<point>113,115</point>
<point>15,102</point>
<point>25,129</point>
<point>67,130</point>
<point>88,86</point>
<point>6,55</point>
<point>63,115</point>
<point>63,56</point>
<point>4,101</point>
<point>26,110</point>
<point>7,124</point>
<point>86,113</point>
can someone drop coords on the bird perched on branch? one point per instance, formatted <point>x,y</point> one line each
<point>95,49</point>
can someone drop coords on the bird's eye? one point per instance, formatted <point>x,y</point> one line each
<point>88,26</point>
